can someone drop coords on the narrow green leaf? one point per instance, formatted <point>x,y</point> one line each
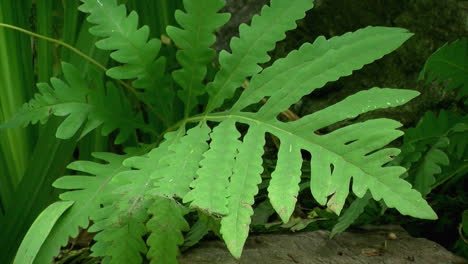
<point>284,183</point>
<point>242,189</point>
<point>39,231</point>
<point>210,188</point>
<point>45,60</point>
<point>195,40</point>
<point>196,233</point>
<point>17,85</point>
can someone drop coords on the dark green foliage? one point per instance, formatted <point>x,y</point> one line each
<point>449,63</point>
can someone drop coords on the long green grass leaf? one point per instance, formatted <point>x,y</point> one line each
<point>39,231</point>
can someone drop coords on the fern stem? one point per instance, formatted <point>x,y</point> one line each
<point>81,54</point>
<point>56,41</point>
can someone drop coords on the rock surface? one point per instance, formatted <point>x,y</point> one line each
<point>388,244</point>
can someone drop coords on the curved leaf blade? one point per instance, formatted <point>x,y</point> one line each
<point>39,231</point>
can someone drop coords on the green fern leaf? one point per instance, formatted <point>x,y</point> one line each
<point>425,148</point>
<point>131,47</point>
<point>120,239</point>
<point>434,158</point>
<point>83,107</point>
<point>242,189</point>
<point>352,152</point>
<point>130,44</point>
<point>166,228</point>
<point>121,223</point>
<point>87,194</point>
<point>450,62</point>
<point>252,46</point>
<point>176,170</point>
<point>195,40</point>
<point>362,160</point>
<point>284,184</point>
<point>210,188</point>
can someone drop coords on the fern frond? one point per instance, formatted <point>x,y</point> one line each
<point>251,48</point>
<point>121,223</point>
<point>450,62</point>
<point>131,47</point>
<point>425,148</point>
<point>355,152</point>
<point>82,106</point>
<point>195,40</point>
<point>166,228</point>
<point>87,194</point>
<point>130,44</point>
<point>210,188</point>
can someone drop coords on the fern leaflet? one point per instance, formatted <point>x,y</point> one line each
<point>87,193</point>
<point>121,222</point>
<point>195,40</point>
<point>131,47</point>
<point>166,226</point>
<point>84,107</point>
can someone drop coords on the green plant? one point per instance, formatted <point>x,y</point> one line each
<point>449,63</point>
<point>26,173</point>
<point>210,160</point>
<point>434,152</point>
